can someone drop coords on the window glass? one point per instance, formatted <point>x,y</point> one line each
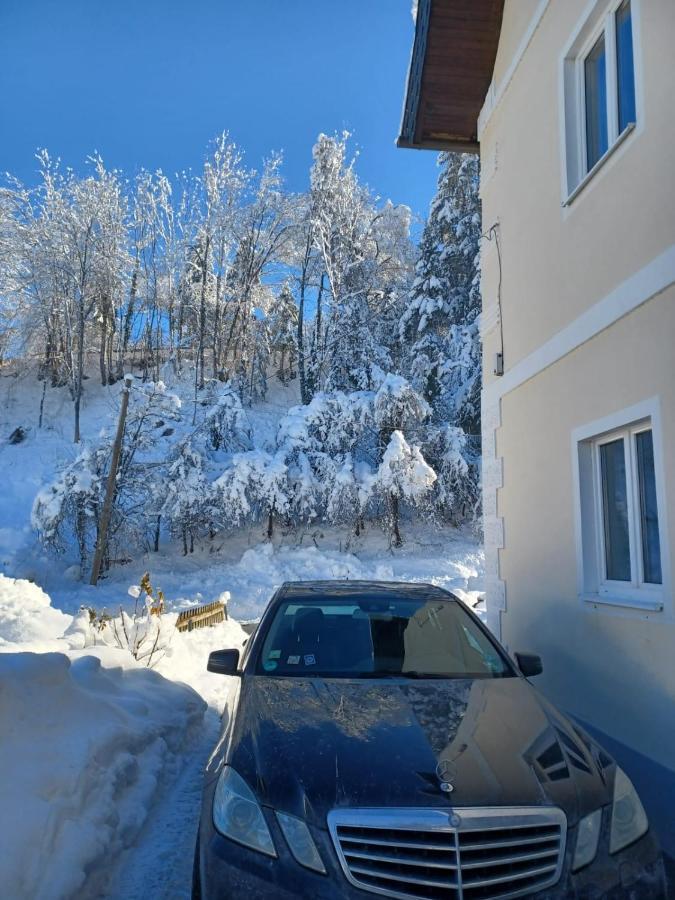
<point>649,520</point>
<point>625,73</point>
<point>378,637</point>
<point>595,66</point>
<point>615,510</point>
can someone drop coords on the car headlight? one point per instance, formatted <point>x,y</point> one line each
<point>588,834</point>
<point>300,842</point>
<point>629,820</point>
<point>237,815</point>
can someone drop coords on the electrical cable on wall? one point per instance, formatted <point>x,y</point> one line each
<point>493,234</point>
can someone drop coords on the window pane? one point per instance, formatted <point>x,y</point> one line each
<point>649,519</point>
<point>596,103</point>
<point>625,72</point>
<point>615,510</point>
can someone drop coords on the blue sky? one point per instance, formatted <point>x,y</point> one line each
<point>147,83</point>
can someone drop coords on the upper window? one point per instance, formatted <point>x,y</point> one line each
<point>599,75</point>
<point>620,516</point>
<point>625,69</point>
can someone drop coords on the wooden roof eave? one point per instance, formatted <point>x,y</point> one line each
<point>408,136</point>
<point>445,131</point>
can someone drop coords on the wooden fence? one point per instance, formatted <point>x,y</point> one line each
<point>202,616</point>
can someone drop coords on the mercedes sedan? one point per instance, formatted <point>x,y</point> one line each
<point>380,741</point>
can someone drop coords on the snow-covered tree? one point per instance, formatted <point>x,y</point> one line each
<point>283,334</point>
<point>439,327</point>
<point>348,494</point>
<point>226,279</point>
<point>187,503</point>
<point>457,490</point>
<point>224,424</point>
<point>398,406</point>
<point>252,488</point>
<point>70,506</point>
<point>355,244</point>
<point>403,476</point>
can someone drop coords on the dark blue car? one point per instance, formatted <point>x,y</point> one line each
<point>380,741</point>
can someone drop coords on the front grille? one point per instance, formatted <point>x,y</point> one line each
<point>453,854</point>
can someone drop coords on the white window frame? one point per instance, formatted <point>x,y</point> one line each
<point>598,19</point>
<point>637,587</point>
<point>593,586</point>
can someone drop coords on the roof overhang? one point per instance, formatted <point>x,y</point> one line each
<point>450,72</point>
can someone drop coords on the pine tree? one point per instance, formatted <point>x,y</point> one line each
<point>440,326</point>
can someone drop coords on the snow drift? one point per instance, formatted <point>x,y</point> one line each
<point>26,613</point>
<point>83,750</point>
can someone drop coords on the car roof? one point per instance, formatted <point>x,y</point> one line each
<point>299,590</point>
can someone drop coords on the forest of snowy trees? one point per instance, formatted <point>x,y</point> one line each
<point>226,281</point>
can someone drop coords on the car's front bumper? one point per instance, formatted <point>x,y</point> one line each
<point>229,871</point>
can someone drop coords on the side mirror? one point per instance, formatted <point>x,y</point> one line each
<point>223,662</point>
<point>529,664</point>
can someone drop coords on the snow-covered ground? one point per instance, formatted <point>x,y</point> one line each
<point>85,744</point>
<point>102,758</point>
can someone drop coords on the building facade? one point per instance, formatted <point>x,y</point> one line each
<point>577,144</point>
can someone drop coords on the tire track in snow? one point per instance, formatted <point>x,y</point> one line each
<point>159,865</point>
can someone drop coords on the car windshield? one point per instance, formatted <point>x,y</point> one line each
<point>378,638</point>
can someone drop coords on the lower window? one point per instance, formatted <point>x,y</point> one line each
<point>620,516</point>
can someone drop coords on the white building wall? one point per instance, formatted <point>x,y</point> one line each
<point>580,297</point>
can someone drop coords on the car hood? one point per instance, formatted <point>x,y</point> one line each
<point>309,745</point>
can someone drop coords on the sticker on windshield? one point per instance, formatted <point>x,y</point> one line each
<point>274,654</point>
<point>269,665</point>
<point>310,659</point>
<point>293,660</point>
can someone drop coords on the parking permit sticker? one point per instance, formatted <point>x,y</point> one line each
<point>293,660</point>
<point>310,660</point>
<point>269,665</point>
<point>274,654</point>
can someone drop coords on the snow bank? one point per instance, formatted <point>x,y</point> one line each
<point>83,749</point>
<point>26,613</point>
<point>188,652</point>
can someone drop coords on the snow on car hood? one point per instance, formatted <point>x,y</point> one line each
<point>309,745</point>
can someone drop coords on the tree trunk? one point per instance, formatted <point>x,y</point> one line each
<point>398,541</point>
<point>216,329</point>
<point>128,318</point>
<point>42,402</point>
<point>304,394</point>
<point>179,335</point>
<point>318,320</point>
<point>102,350</point>
<point>79,373</point>
<point>230,337</point>
<point>202,312</point>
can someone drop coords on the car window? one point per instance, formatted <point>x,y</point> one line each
<point>369,637</point>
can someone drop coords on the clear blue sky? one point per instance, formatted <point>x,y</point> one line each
<point>150,82</point>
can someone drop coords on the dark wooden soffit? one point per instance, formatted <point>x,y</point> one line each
<point>451,68</point>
